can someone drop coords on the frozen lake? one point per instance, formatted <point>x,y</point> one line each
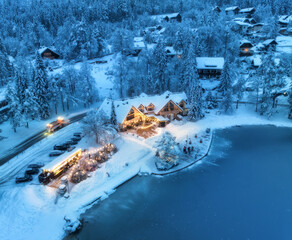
<point>242,190</point>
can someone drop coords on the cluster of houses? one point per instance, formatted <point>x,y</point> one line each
<point>143,111</point>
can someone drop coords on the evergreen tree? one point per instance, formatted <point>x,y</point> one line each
<point>41,88</point>
<point>14,113</point>
<point>225,87</point>
<point>195,101</point>
<point>113,119</point>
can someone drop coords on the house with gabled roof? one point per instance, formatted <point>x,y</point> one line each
<point>232,10</point>
<point>48,53</point>
<point>250,10</point>
<point>245,48</point>
<point>209,67</point>
<point>135,112</point>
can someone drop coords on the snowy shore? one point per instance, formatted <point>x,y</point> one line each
<point>28,210</point>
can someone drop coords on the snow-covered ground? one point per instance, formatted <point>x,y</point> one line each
<point>30,211</point>
<point>284,44</point>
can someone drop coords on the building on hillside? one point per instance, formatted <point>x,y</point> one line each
<point>243,27</point>
<point>245,48</point>
<point>268,45</point>
<point>284,20</point>
<point>171,17</point>
<point>232,10</point>
<point>247,10</point>
<point>210,67</point>
<point>146,110</point>
<point>217,9</point>
<point>256,28</point>
<point>171,52</point>
<point>139,45</point>
<point>245,20</point>
<point>48,53</point>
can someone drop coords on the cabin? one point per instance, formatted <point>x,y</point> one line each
<point>269,44</point>
<point>245,20</point>
<point>217,9</point>
<point>245,48</point>
<point>146,110</point>
<point>284,20</point>
<point>247,11</point>
<point>232,10</point>
<point>243,27</point>
<point>171,17</point>
<point>170,52</point>
<point>48,53</point>
<point>139,45</point>
<point>209,67</point>
<point>256,28</point>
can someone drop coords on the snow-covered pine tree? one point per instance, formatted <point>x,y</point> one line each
<point>167,149</point>
<point>225,87</point>
<point>14,114</point>
<point>87,84</point>
<point>41,89</point>
<point>159,64</point>
<point>195,101</point>
<point>113,119</point>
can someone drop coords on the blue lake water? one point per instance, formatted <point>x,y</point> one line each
<point>242,190</point>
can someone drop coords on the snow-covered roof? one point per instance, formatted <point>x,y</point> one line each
<point>42,49</point>
<point>285,19</point>
<point>232,8</point>
<point>268,42</point>
<point>247,10</point>
<point>138,39</point>
<point>245,42</point>
<point>163,16</point>
<point>171,51</point>
<point>58,160</point>
<point>257,61</point>
<point>139,45</point>
<point>243,23</point>
<point>122,107</point>
<point>210,62</point>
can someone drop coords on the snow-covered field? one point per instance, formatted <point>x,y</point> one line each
<point>29,211</point>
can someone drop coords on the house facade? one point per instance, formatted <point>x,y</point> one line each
<point>245,48</point>
<point>210,67</point>
<point>47,53</point>
<point>145,110</point>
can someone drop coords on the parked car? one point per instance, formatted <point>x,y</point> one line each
<point>71,142</point>
<point>26,178</point>
<point>62,147</point>
<point>32,171</point>
<point>71,148</point>
<point>56,153</point>
<point>76,139</point>
<point>36,165</point>
<point>77,134</point>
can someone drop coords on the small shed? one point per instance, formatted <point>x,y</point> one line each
<point>269,44</point>
<point>48,53</point>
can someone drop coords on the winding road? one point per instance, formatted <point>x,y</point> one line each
<point>31,141</point>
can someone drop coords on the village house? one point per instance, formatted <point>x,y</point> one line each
<point>171,52</point>
<point>268,45</point>
<point>245,48</point>
<point>243,27</point>
<point>247,11</point>
<point>171,17</point>
<point>284,20</point>
<point>139,45</point>
<point>232,10</point>
<point>145,111</point>
<point>217,9</point>
<point>48,53</point>
<point>210,67</point>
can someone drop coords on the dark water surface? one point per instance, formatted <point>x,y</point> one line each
<point>242,190</point>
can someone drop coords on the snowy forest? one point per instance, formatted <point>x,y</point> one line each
<point>88,29</point>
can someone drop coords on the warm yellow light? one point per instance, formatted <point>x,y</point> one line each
<point>60,118</point>
<point>246,49</point>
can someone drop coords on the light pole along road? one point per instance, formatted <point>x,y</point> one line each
<point>31,141</point>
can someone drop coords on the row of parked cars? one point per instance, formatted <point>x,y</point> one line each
<point>67,146</point>
<point>32,169</point>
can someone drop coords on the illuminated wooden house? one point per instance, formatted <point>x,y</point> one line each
<point>145,109</point>
<point>246,48</point>
<point>48,53</point>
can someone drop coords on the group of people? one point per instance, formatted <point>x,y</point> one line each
<point>188,148</point>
